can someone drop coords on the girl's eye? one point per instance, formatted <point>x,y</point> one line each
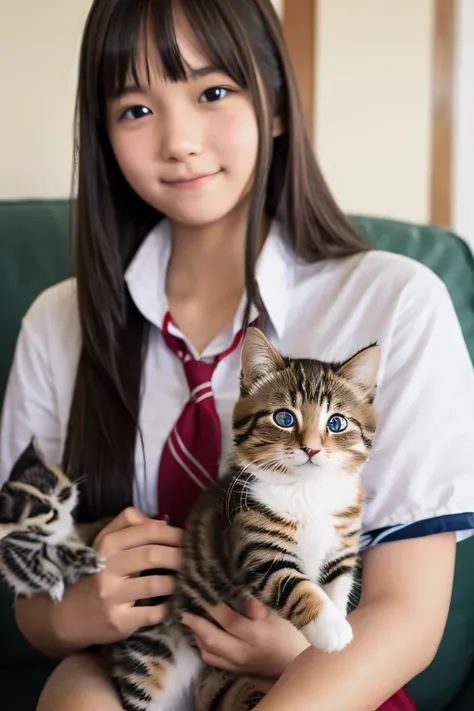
<point>284,418</point>
<point>136,112</point>
<point>337,424</point>
<point>214,94</point>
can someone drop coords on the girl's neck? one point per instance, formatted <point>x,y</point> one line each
<point>206,276</point>
<point>199,253</point>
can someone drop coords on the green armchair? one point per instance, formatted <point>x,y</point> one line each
<point>34,254</point>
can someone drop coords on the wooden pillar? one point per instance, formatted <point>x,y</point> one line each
<point>442,112</point>
<point>299,22</point>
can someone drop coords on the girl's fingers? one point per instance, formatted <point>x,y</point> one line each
<point>213,660</point>
<point>144,587</point>
<point>234,623</point>
<point>256,610</point>
<point>128,517</point>
<point>138,560</point>
<point>134,618</point>
<point>212,639</point>
<point>147,533</point>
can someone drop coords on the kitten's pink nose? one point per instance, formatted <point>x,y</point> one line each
<point>311,452</point>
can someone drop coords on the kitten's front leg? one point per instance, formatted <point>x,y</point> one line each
<point>27,568</point>
<point>338,580</point>
<point>276,578</point>
<point>76,560</point>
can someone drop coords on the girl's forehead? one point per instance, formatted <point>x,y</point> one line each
<point>149,63</point>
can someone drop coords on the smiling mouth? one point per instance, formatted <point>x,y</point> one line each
<point>191,181</point>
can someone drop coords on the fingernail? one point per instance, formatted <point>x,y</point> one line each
<point>164,517</point>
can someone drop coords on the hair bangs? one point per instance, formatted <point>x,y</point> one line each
<point>124,57</point>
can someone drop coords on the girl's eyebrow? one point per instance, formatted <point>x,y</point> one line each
<point>203,71</point>
<point>193,74</point>
<point>126,90</point>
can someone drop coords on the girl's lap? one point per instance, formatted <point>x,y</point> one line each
<point>79,683</point>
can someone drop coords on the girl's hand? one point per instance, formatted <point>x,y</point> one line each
<point>103,605</point>
<point>262,644</point>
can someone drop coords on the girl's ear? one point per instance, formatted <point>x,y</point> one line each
<point>278,127</point>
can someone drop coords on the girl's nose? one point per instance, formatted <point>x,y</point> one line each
<point>180,139</point>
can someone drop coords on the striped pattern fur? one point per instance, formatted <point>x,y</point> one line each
<point>283,526</point>
<point>40,548</point>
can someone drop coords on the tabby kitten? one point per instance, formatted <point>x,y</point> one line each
<point>41,549</point>
<point>283,526</point>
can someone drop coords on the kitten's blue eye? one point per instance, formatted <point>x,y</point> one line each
<point>337,423</point>
<point>284,418</point>
<point>136,112</point>
<point>214,94</point>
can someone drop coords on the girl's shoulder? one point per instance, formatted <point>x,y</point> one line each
<point>42,376</point>
<point>364,298</point>
<point>381,272</point>
<point>53,317</point>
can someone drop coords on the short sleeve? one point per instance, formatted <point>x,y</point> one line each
<point>420,478</point>
<point>29,406</point>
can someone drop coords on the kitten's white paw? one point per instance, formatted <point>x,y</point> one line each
<point>57,591</point>
<point>90,562</point>
<point>330,631</point>
<point>97,564</point>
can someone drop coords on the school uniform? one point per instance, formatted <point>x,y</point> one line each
<point>419,479</point>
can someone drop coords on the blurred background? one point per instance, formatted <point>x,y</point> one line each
<point>388,89</point>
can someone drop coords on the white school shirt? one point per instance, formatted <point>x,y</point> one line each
<point>420,478</point>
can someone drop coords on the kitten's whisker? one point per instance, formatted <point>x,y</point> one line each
<point>230,489</point>
<point>80,480</point>
<point>237,478</point>
<point>276,462</point>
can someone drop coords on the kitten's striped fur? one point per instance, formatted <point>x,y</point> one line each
<point>282,526</point>
<point>41,550</point>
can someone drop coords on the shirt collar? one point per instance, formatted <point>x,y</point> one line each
<point>146,276</point>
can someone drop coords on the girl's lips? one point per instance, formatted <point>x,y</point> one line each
<point>192,182</point>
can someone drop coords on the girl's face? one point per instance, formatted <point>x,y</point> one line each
<point>188,148</point>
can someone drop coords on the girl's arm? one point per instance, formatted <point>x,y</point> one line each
<point>397,629</point>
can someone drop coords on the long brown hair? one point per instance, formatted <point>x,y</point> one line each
<point>244,39</point>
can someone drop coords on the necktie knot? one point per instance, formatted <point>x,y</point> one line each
<point>199,378</point>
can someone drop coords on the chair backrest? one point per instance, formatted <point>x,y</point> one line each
<point>34,254</point>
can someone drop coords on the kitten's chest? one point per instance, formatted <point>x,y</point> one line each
<point>317,542</point>
<point>316,506</point>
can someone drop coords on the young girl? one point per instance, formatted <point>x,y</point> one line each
<point>199,206</point>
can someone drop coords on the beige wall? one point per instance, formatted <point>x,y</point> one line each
<point>372,115</point>
<point>38,63</point>
<point>373,104</point>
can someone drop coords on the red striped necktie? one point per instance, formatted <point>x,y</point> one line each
<point>191,455</point>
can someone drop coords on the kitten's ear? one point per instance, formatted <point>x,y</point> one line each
<point>37,450</point>
<point>363,368</point>
<point>7,511</point>
<point>259,357</point>
<point>30,456</point>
